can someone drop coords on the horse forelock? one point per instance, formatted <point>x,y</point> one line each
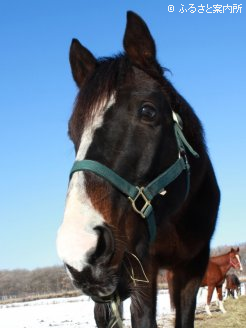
<point>97,90</point>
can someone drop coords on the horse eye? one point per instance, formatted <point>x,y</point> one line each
<point>148,112</point>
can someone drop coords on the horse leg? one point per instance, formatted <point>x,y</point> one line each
<point>186,283</point>
<point>143,303</point>
<point>170,288</point>
<point>103,315</point>
<point>209,297</point>
<point>235,294</point>
<point>226,294</point>
<point>184,298</point>
<point>219,292</point>
<point>224,290</point>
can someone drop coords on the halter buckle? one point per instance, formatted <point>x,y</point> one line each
<point>144,198</point>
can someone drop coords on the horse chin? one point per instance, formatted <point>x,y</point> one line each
<point>103,299</point>
<point>104,284</point>
<point>97,282</point>
<point>96,291</point>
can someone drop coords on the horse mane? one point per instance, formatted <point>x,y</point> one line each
<point>231,250</point>
<point>221,257</point>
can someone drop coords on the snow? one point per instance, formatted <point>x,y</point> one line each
<point>75,312</point>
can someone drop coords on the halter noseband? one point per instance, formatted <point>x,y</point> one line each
<point>158,185</point>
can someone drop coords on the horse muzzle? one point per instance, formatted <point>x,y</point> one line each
<point>93,271</point>
<point>95,281</point>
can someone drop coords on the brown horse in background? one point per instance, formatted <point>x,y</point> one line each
<point>215,275</point>
<point>232,285</point>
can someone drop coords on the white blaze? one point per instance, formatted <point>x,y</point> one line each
<point>76,236</point>
<point>238,258</point>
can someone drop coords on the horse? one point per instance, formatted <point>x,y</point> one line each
<point>142,192</point>
<point>232,285</point>
<point>215,275</point>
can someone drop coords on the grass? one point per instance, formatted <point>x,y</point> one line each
<point>234,318</point>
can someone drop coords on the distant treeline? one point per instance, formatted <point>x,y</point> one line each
<point>22,283</point>
<point>54,280</point>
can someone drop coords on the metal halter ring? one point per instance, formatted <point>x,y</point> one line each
<point>145,199</point>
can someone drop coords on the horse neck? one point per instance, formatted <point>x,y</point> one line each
<point>223,261</point>
<point>225,267</point>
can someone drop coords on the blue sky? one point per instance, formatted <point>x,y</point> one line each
<point>207,57</point>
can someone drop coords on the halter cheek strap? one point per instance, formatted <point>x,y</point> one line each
<point>234,265</point>
<point>147,193</point>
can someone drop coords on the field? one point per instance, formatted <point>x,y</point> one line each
<point>77,312</point>
<point>234,318</point>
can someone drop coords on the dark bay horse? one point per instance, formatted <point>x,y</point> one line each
<point>232,285</point>
<point>142,193</point>
<point>215,275</point>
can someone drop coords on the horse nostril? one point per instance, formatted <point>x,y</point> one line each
<point>105,246</point>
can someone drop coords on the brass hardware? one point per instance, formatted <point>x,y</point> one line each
<point>145,206</point>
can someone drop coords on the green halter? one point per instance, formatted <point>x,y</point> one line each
<point>158,185</point>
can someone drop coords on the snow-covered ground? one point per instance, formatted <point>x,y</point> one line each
<point>76,312</point>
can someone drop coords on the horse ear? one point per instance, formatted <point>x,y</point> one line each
<point>82,62</point>
<point>138,42</point>
<point>237,250</point>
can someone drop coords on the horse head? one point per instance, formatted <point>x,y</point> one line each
<point>235,259</point>
<point>127,119</point>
